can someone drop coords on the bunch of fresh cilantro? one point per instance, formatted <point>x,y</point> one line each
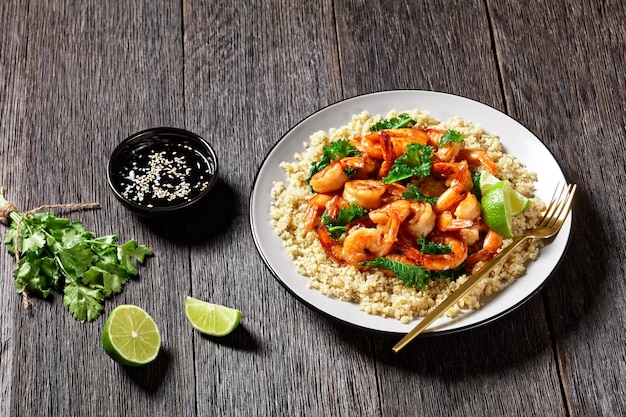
<point>59,254</point>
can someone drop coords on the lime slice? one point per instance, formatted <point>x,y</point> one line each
<point>485,181</point>
<point>519,203</point>
<point>500,204</point>
<point>211,319</point>
<point>130,336</point>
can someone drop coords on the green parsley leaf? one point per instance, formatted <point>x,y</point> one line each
<point>336,227</point>
<point>415,162</point>
<point>450,136</point>
<point>402,120</point>
<point>433,247</point>
<point>413,193</point>
<point>411,275</point>
<point>339,149</point>
<point>414,275</point>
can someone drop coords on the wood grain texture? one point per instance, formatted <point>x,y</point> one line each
<point>565,79</point>
<point>78,77</point>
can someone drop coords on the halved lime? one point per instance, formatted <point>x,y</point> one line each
<point>499,204</point>
<point>211,319</point>
<point>130,336</point>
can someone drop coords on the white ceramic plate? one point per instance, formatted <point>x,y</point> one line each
<point>516,139</point>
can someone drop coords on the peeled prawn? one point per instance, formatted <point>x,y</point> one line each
<point>450,260</point>
<point>445,153</point>
<point>479,157</point>
<point>316,205</point>
<point>422,219</point>
<point>491,245</point>
<point>333,177</point>
<point>460,181</point>
<point>329,179</point>
<point>365,243</point>
<point>365,193</point>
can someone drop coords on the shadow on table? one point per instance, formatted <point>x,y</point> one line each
<point>239,339</point>
<point>592,259</point>
<point>150,376</point>
<point>494,347</point>
<point>211,218</point>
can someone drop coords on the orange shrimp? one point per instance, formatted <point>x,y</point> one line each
<point>389,154</point>
<point>445,153</point>
<point>446,222</point>
<point>330,245</point>
<point>491,245</point>
<point>479,157</point>
<point>316,205</point>
<point>422,219</point>
<point>450,260</point>
<point>329,179</point>
<point>467,212</point>
<point>365,193</point>
<point>363,243</point>
<point>333,177</point>
<point>458,176</point>
<point>400,138</point>
<point>401,208</point>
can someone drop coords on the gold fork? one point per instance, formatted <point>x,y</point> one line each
<point>554,217</point>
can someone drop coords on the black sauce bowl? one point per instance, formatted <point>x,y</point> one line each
<point>192,156</point>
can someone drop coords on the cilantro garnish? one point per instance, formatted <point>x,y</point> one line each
<point>402,120</point>
<point>59,254</point>
<point>415,162</point>
<point>413,193</point>
<point>450,136</point>
<point>339,149</point>
<point>337,227</point>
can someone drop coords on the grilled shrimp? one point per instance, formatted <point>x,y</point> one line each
<point>365,193</point>
<point>363,243</point>
<point>450,260</point>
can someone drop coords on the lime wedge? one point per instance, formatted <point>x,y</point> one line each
<point>211,319</point>
<point>130,336</point>
<point>485,181</point>
<point>519,203</point>
<point>500,204</point>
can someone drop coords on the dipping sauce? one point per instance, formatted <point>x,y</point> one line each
<point>162,170</point>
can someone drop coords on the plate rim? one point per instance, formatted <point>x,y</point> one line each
<point>426,334</point>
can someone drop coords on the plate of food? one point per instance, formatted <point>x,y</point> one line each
<point>374,209</point>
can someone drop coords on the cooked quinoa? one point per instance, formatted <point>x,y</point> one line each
<point>373,291</point>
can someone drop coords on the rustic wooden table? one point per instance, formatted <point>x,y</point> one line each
<point>77,77</point>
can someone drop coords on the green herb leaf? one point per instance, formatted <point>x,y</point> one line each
<point>415,162</point>
<point>339,149</point>
<point>411,275</point>
<point>402,120</point>
<point>83,301</point>
<point>56,254</point>
<point>450,136</point>
<point>414,275</point>
<point>336,227</point>
<point>433,247</point>
<point>413,193</point>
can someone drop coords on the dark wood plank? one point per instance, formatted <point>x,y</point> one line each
<point>446,46</point>
<point>564,78</point>
<point>82,76</point>
<point>12,84</point>
<point>252,71</point>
